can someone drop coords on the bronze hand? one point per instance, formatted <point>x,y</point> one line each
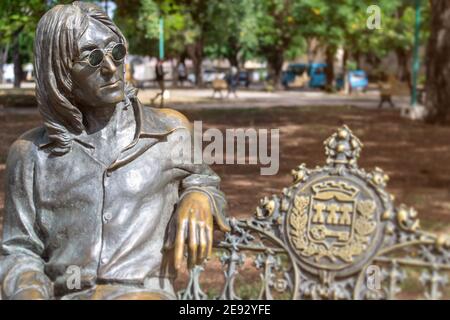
<point>194,221</point>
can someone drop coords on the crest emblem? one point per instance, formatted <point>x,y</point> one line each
<point>334,219</point>
<point>332,213</point>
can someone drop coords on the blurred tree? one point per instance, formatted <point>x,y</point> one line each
<point>185,26</point>
<point>278,29</point>
<point>399,35</point>
<point>202,13</point>
<point>343,24</point>
<point>18,20</point>
<point>234,38</point>
<point>396,34</point>
<point>328,23</point>
<point>270,29</point>
<point>438,62</point>
<point>180,32</point>
<point>136,18</point>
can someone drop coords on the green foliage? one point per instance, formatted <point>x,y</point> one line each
<point>19,18</point>
<point>279,29</point>
<point>233,35</point>
<point>148,19</point>
<point>139,20</point>
<point>126,17</point>
<point>179,28</point>
<point>397,32</point>
<point>273,30</point>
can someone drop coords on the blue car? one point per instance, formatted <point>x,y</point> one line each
<point>315,71</point>
<point>318,77</point>
<point>358,80</point>
<point>293,70</point>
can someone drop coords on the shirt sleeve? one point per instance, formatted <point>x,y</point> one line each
<point>207,181</point>
<point>21,265</point>
<point>200,177</point>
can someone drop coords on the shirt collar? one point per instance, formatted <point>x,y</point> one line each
<point>147,126</point>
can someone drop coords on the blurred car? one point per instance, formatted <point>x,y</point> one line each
<point>293,70</point>
<point>358,80</point>
<point>208,76</point>
<point>314,71</point>
<point>244,78</point>
<point>318,78</point>
<point>8,73</point>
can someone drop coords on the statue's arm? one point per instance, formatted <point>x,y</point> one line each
<point>201,178</point>
<point>201,203</point>
<point>207,182</point>
<point>22,273</point>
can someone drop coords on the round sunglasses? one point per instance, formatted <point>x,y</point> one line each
<point>96,56</point>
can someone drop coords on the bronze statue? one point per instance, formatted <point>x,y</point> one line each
<point>96,188</point>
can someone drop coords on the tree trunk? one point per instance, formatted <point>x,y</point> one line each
<point>345,60</point>
<point>404,62</point>
<point>329,70</point>
<point>18,72</point>
<point>312,49</point>
<point>233,52</point>
<point>195,52</point>
<point>357,56</point>
<point>233,60</point>
<point>275,61</point>
<point>345,70</point>
<point>438,63</point>
<point>174,73</point>
<point>3,58</point>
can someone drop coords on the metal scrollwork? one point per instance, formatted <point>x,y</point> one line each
<point>333,234</point>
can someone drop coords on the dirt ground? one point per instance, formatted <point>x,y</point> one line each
<point>416,156</point>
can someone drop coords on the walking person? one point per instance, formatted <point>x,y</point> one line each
<point>386,91</point>
<point>159,77</point>
<point>182,73</point>
<point>232,81</point>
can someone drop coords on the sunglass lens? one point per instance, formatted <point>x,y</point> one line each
<point>96,57</point>
<point>118,52</point>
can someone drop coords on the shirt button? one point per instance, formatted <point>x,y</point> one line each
<point>104,261</point>
<point>108,173</point>
<point>107,216</point>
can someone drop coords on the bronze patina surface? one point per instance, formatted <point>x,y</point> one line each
<point>96,188</point>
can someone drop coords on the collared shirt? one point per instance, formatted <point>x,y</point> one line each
<point>107,220</point>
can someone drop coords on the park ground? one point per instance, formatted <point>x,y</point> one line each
<point>415,155</point>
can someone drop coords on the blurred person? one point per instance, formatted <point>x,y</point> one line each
<point>182,72</point>
<point>386,87</point>
<point>159,77</point>
<point>232,81</point>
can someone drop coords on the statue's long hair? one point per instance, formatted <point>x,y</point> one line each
<point>55,51</point>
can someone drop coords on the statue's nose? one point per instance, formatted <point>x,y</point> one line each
<point>108,65</point>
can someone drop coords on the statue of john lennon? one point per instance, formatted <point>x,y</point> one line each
<point>96,187</point>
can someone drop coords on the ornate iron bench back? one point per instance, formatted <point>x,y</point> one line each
<point>333,234</point>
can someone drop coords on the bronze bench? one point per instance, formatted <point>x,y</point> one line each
<point>333,234</point>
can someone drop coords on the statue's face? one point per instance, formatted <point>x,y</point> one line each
<point>100,85</point>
